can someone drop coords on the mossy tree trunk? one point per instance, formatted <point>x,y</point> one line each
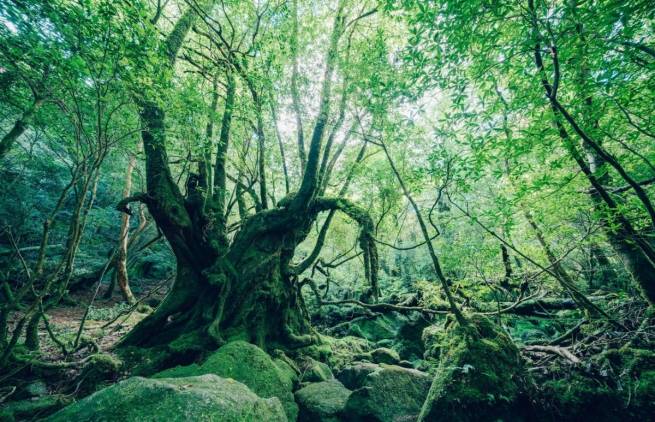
<point>246,287</point>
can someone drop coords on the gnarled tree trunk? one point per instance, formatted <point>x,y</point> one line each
<point>245,288</point>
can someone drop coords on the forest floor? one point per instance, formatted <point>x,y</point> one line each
<point>107,320</point>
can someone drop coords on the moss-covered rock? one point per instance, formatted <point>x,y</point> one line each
<point>480,375</point>
<point>353,375</point>
<point>248,364</point>
<point>288,368</point>
<point>201,398</point>
<point>378,328</point>
<point>389,394</point>
<point>336,352</point>
<point>322,401</point>
<point>314,371</point>
<point>384,355</point>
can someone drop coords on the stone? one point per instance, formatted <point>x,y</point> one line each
<point>389,394</point>
<point>384,355</point>
<point>314,371</point>
<point>480,375</point>
<point>249,365</point>
<point>322,401</point>
<point>205,398</point>
<point>353,375</point>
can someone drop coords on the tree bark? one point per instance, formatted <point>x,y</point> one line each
<point>121,255</point>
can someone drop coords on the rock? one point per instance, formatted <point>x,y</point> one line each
<point>202,398</point>
<point>384,355</point>
<point>352,376</point>
<point>378,328</point>
<point>314,371</point>
<point>480,375</point>
<point>389,394</point>
<point>433,338</point>
<point>248,364</point>
<point>322,401</point>
<point>387,342</point>
<point>409,342</point>
<point>289,372</point>
<point>336,352</point>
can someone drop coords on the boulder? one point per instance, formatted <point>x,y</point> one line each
<point>377,328</point>
<point>384,355</point>
<point>322,401</point>
<point>353,375</point>
<point>314,371</point>
<point>480,375</point>
<point>202,398</point>
<point>389,394</point>
<point>248,364</point>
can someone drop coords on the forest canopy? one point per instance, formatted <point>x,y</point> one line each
<point>386,210</point>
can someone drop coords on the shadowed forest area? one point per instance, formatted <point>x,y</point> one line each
<point>302,210</point>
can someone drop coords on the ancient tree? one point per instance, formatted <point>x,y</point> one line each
<point>243,285</point>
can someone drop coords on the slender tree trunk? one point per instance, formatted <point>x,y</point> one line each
<point>121,255</point>
<point>428,242</point>
<point>281,146</point>
<point>507,264</point>
<point>636,251</point>
<point>295,96</point>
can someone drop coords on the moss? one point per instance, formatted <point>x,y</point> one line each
<point>337,352</point>
<point>579,397</point>
<point>314,371</point>
<point>142,361</point>
<point>480,375</point>
<point>644,395</point>
<point>322,401</point>
<point>100,368</point>
<point>24,409</point>
<point>353,376</point>
<point>388,394</point>
<point>376,329</point>
<point>384,355</point>
<point>189,342</point>
<point>288,371</point>
<point>203,398</point>
<point>248,364</point>
<point>635,368</point>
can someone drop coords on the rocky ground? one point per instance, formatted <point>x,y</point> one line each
<point>381,367</point>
